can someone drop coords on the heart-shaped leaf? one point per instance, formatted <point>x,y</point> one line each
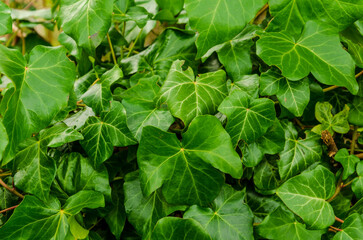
<point>352,228</point>
<point>357,184</point>
<point>349,162</point>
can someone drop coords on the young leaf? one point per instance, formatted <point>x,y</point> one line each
<point>86,21</point>
<point>318,51</point>
<point>5,19</point>
<point>83,199</point>
<point>229,216</point>
<point>282,225</point>
<point>248,119</point>
<point>42,87</point>
<point>188,97</point>
<point>104,133</point>
<point>352,228</point>
<point>218,21</point>
<point>172,228</point>
<point>357,184</point>
<point>183,169</point>
<point>349,162</point>
<point>306,196</point>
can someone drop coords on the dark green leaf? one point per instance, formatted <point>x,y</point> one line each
<point>266,177</point>
<point>356,112</point>
<point>117,216</point>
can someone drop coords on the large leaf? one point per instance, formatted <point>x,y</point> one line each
<point>172,228</point>
<point>35,169</point>
<point>104,133</point>
<point>298,154</point>
<point>318,50</point>
<point>218,21</point>
<point>293,95</point>
<point>86,21</point>
<point>352,228</point>
<point>183,169</point>
<point>248,119</point>
<point>291,16</point>
<point>282,225</point>
<point>143,212</point>
<point>34,219</point>
<point>76,173</point>
<point>41,90</point>
<point>5,19</point>
<point>306,196</point>
<point>188,97</point>
<point>141,107</point>
<point>349,162</point>
<point>229,216</point>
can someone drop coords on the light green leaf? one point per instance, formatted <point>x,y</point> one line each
<point>78,119</point>
<point>42,88</point>
<point>218,21</point>
<point>67,136</point>
<point>357,184</point>
<point>99,96</point>
<point>247,83</point>
<point>183,169</point>
<point>229,216</point>
<point>172,228</point>
<point>104,133</point>
<point>356,112</point>
<point>248,119</point>
<point>282,225</point>
<point>35,169</point>
<point>76,173</point>
<point>83,199</point>
<point>4,140</point>
<point>5,19</point>
<point>293,95</point>
<point>318,50</point>
<point>291,16</point>
<point>352,228</point>
<point>349,162</point>
<point>306,196</point>
<point>76,229</point>
<point>188,97</point>
<point>143,212</point>
<point>298,154</point>
<point>141,107</point>
<point>86,21</point>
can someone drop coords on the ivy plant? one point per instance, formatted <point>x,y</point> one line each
<point>183,119</point>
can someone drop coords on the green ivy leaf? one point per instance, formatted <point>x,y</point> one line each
<point>349,162</point>
<point>76,173</point>
<point>183,169</point>
<point>116,218</point>
<point>4,140</point>
<point>282,225</point>
<point>42,87</point>
<point>76,229</point>
<point>172,228</point>
<point>141,107</point>
<point>99,96</point>
<point>5,19</point>
<point>298,154</point>
<point>104,133</point>
<point>356,112</point>
<point>306,196</point>
<point>248,119</point>
<point>143,212</point>
<point>35,168</point>
<point>293,95</point>
<point>352,228</point>
<point>229,216</point>
<point>354,39</point>
<point>218,21</point>
<point>86,21</point>
<point>78,119</point>
<point>318,50</point>
<point>34,219</point>
<point>173,6</point>
<point>188,97</point>
<point>357,184</point>
<point>338,123</point>
<point>265,177</point>
<point>247,83</point>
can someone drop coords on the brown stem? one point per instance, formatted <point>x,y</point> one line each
<point>256,224</point>
<point>337,190</point>
<point>2,183</point>
<point>5,174</point>
<point>359,74</point>
<point>338,219</point>
<point>8,209</point>
<point>360,155</point>
<point>354,139</point>
<point>336,229</point>
<point>347,184</point>
<point>334,87</point>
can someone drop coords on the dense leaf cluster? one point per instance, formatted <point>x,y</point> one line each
<point>184,119</point>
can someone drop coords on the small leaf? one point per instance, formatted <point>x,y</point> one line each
<point>83,199</point>
<point>188,97</point>
<point>356,112</point>
<point>172,228</point>
<point>306,196</point>
<point>282,225</point>
<point>4,140</point>
<point>104,133</point>
<point>229,216</point>
<point>352,228</point>
<point>265,177</point>
<point>5,19</point>
<point>76,229</point>
<point>357,184</point>
<point>349,162</point>
<point>248,119</point>
<point>184,169</point>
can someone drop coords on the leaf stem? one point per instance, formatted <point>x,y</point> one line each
<point>337,190</point>
<point>359,74</point>
<point>336,229</point>
<point>354,139</point>
<point>347,184</point>
<point>112,51</point>
<point>5,174</point>
<point>12,190</point>
<point>338,219</point>
<point>8,209</point>
<point>330,88</point>
<point>134,43</point>
<point>359,155</point>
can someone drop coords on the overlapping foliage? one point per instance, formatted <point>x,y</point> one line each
<point>184,119</point>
